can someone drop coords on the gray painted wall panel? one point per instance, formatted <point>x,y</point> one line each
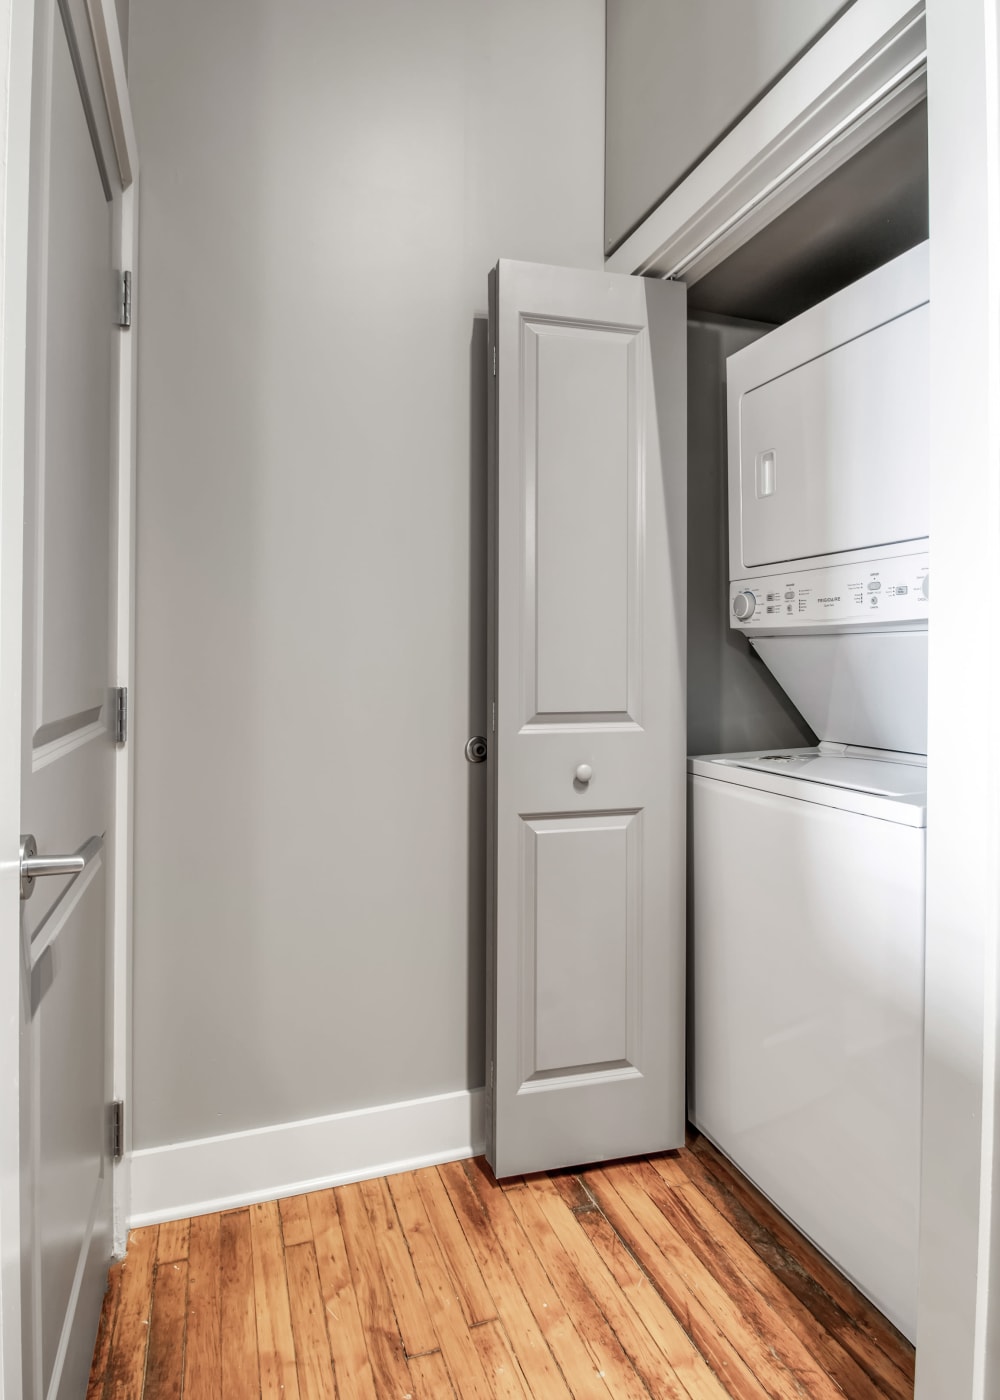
<point>121,10</point>
<point>324,189</point>
<point>679,76</point>
<point>734,703</point>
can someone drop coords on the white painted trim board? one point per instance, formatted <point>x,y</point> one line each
<point>237,1169</point>
<point>17,26</point>
<point>121,864</point>
<point>863,72</point>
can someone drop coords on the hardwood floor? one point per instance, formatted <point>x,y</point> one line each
<point>666,1277</point>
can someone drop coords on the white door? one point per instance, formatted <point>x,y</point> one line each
<point>67,731</point>
<point>587,759</point>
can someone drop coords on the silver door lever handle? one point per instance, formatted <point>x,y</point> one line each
<point>33,865</point>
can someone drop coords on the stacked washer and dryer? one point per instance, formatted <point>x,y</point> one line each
<point>807,878</point>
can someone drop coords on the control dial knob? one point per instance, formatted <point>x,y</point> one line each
<point>744,606</point>
<point>925,585</point>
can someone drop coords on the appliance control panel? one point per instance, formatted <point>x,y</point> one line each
<point>880,591</point>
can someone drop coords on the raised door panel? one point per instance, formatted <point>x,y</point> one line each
<point>73,484</point>
<point>582,879</point>
<point>580,488</point>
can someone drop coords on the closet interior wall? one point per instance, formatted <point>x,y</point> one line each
<point>734,703</point>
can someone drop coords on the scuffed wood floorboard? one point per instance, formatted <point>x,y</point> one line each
<point>666,1278</point>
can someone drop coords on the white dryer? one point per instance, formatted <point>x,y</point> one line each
<point>807,866</point>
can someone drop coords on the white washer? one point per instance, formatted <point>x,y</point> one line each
<point>807,890</point>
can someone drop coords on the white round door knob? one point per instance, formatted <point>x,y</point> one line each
<point>584,773</point>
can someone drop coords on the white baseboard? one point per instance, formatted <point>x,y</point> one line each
<point>218,1173</point>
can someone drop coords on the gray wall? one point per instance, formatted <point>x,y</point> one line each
<point>733,701</point>
<point>324,187</point>
<point>121,10</point>
<point>665,112</point>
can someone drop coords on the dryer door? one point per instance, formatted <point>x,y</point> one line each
<point>833,453</point>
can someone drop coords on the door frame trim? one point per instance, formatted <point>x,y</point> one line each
<point>958,1325</point>
<point>126,375</point>
<point>17,32</point>
<point>860,76</point>
<point>106,68</point>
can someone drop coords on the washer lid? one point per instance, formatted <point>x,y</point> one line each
<point>879,776</point>
<point>869,783</point>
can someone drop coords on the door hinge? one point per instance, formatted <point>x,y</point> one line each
<point>123,300</point>
<point>118,1130</point>
<point>121,714</point>
<point>494,362</point>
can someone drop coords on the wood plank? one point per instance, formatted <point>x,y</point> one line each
<point>707,1228</point>
<point>202,1348</point>
<point>237,1308</point>
<point>633,1220</point>
<point>466,1370</point>
<point>668,1278</point>
<point>430,1377</point>
<point>862,1312</point>
<point>164,1362</point>
<point>172,1244</point>
<point>525,1336</point>
<point>547,1307</point>
<point>758,1334</point>
<point>413,1319</point>
<point>679,1350</point>
<point>648,1358</point>
<point>105,1334</point>
<point>296,1227</point>
<point>476,1300</point>
<point>343,1318</point>
<point>385,1346</point>
<point>499,1362</point>
<point>275,1343</point>
<point>314,1359</point>
<point>572,1190</point>
<point>890,1376</point>
<point>127,1363</point>
<point>818,1363</point>
<point>610,1358</point>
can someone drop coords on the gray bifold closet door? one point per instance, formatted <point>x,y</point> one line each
<point>585,1054</point>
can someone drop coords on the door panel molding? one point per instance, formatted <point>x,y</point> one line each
<point>583,614</point>
<point>569,973</point>
<point>45,753</point>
